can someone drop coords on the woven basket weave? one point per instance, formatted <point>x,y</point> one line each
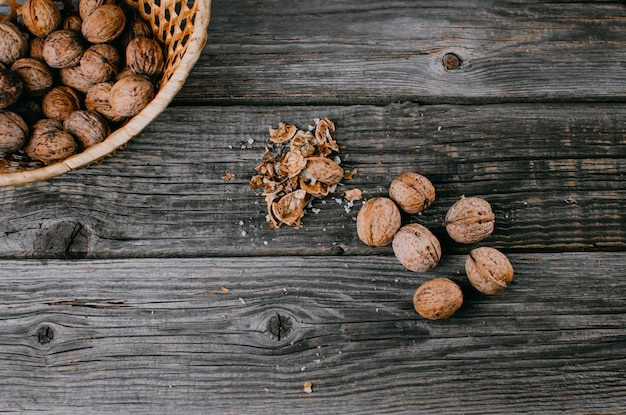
<point>181,25</point>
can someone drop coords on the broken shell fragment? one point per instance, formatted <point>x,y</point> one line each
<point>283,133</point>
<point>290,208</point>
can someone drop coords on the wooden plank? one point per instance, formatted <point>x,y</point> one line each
<point>553,174</point>
<point>244,335</point>
<point>373,52</point>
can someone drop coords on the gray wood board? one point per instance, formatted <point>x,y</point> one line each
<point>554,175</point>
<point>376,52</point>
<point>209,335</point>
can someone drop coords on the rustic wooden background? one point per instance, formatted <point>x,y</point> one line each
<point>149,284</point>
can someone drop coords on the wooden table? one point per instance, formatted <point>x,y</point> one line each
<point>150,284</point>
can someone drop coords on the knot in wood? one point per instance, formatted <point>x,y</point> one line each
<point>65,239</point>
<point>45,334</point>
<point>279,327</point>
<point>451,61</point>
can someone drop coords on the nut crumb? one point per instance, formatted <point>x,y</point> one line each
<point>353,194</point>
<point>308,387</point>
<point>228,176</point>
<point>224,290</point>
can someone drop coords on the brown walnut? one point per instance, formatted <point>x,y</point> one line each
<point>72,22</point>
<point>41,17</point>
<point>145,56</point>
<point>104,24</point>
<point>74,77</point>
<point>10,87</point>
<point>51,145</point>
<point>488,270</point>
<point>412,192</point>
<point>416,248</point>
<point>86,7</point>
<point>100,62</point>
<point>63,48</point>
<point>35,48</point>
<point>13,132</point>
<point>97,99</point>
<point>469,220</point>
<point>88,127</point>
<point>60,102</point>
<point>36,76</point>
<point>13,43</point>
<point>130,95</point>
<point>378,221</point>
<point>438,299</point>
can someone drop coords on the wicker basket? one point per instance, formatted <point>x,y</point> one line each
<point>182,27</point>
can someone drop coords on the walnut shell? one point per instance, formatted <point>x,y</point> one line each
<point>86,7</point>
<point>36,75</point>
<point>29,110</point>
<point>13,132</point>
<point>412,192</point>
<point>51,146</point>
<point>10,88</point>
<point>130,95</point>
<point>60,102</point>
<point>103,24</point>
<point>488,270</point>
<point>416,248</point>
<point>145,56</point>
<point>438,299</point>
<point>290,208</point>
<point>41,17</point>
<point>72,22</point>
<point>469,220</point>
<point>35,48</point>
<point>88,127</point>
<point>100,62</point>
<point>97,99</point>
<point>378,221</point>
<point>74,77</point>
<point>63,48</point>
<point>134,28</point>
<point>322,169</point>
<point>13,43</point>
<point>44,126</point>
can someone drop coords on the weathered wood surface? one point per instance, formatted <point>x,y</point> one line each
<point>373,51</point>
<point>164,336</point>
<point>553,173</point>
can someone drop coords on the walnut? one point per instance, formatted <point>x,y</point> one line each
<point>100,62</point>
<point>134,28</point>
<point>438,299</point>
<point>13,43</point>
<point>13,132</point>
<point>29,109</point>
<point>74,77</point>
<point>63,48</point>
<point>86,7</point>
<point>104,24</point>
<point>378,221</point>
<point>470,220</point>
<point>36,75</point>
<point>412,192</point>
<point>41,17</point>
<point>10,87</point>
<point>49,144</point>
<point>72,22</point>
<point>145,56</point>
<point>35,48</point>
<point>97,99</point>
<point>488,270</point>
<point>88,127</point>
<point>130,95</point>
<point>60,102</point>
<point>416,248</point>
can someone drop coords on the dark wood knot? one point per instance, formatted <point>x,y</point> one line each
<point>451,61</point>
<point>45,334</point>
<point>280,326</point>
<point>66,239</point>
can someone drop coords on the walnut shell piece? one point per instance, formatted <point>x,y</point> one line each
<point>88,127</point>
<point>51,146</point>
<point>144,56</point>
<point>100,62</point>
<point>469,220</point>
<point>63,49</point>
<point>290,208</point>
<point>13,43</point>
<point>488,270</point>
<point>438,299</point>
<point>36,76</point>
<point>416,248</point>
<point>104,24</point>
<point>412,192</point>
<point>378,221</point>
<point>60,102</point>
<point>130,95</point>
<point>13,132</point>
<point>97,99</point>
<point>10,87</point>
<point>322,169</point>
<point>41,17</point>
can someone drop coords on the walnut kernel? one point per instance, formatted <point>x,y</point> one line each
<point>378,221</point>
<point>488,270</point>
<point>416,248</point>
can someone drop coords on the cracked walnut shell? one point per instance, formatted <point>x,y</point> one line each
<point>378,221</point>
<point>412,192</point>
<point>438,299</point>
<point>416,248</point>
<point>469,220</point>
<point>488,270</point>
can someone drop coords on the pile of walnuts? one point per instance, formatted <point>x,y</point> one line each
<point>68,77</point>
<point>468,220</point>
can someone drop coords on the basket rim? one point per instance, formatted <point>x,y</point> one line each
<point>135,125</point>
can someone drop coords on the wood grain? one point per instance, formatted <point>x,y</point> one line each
<point>222,336</point>
<point>553,173</point>
<point>373,52</point>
